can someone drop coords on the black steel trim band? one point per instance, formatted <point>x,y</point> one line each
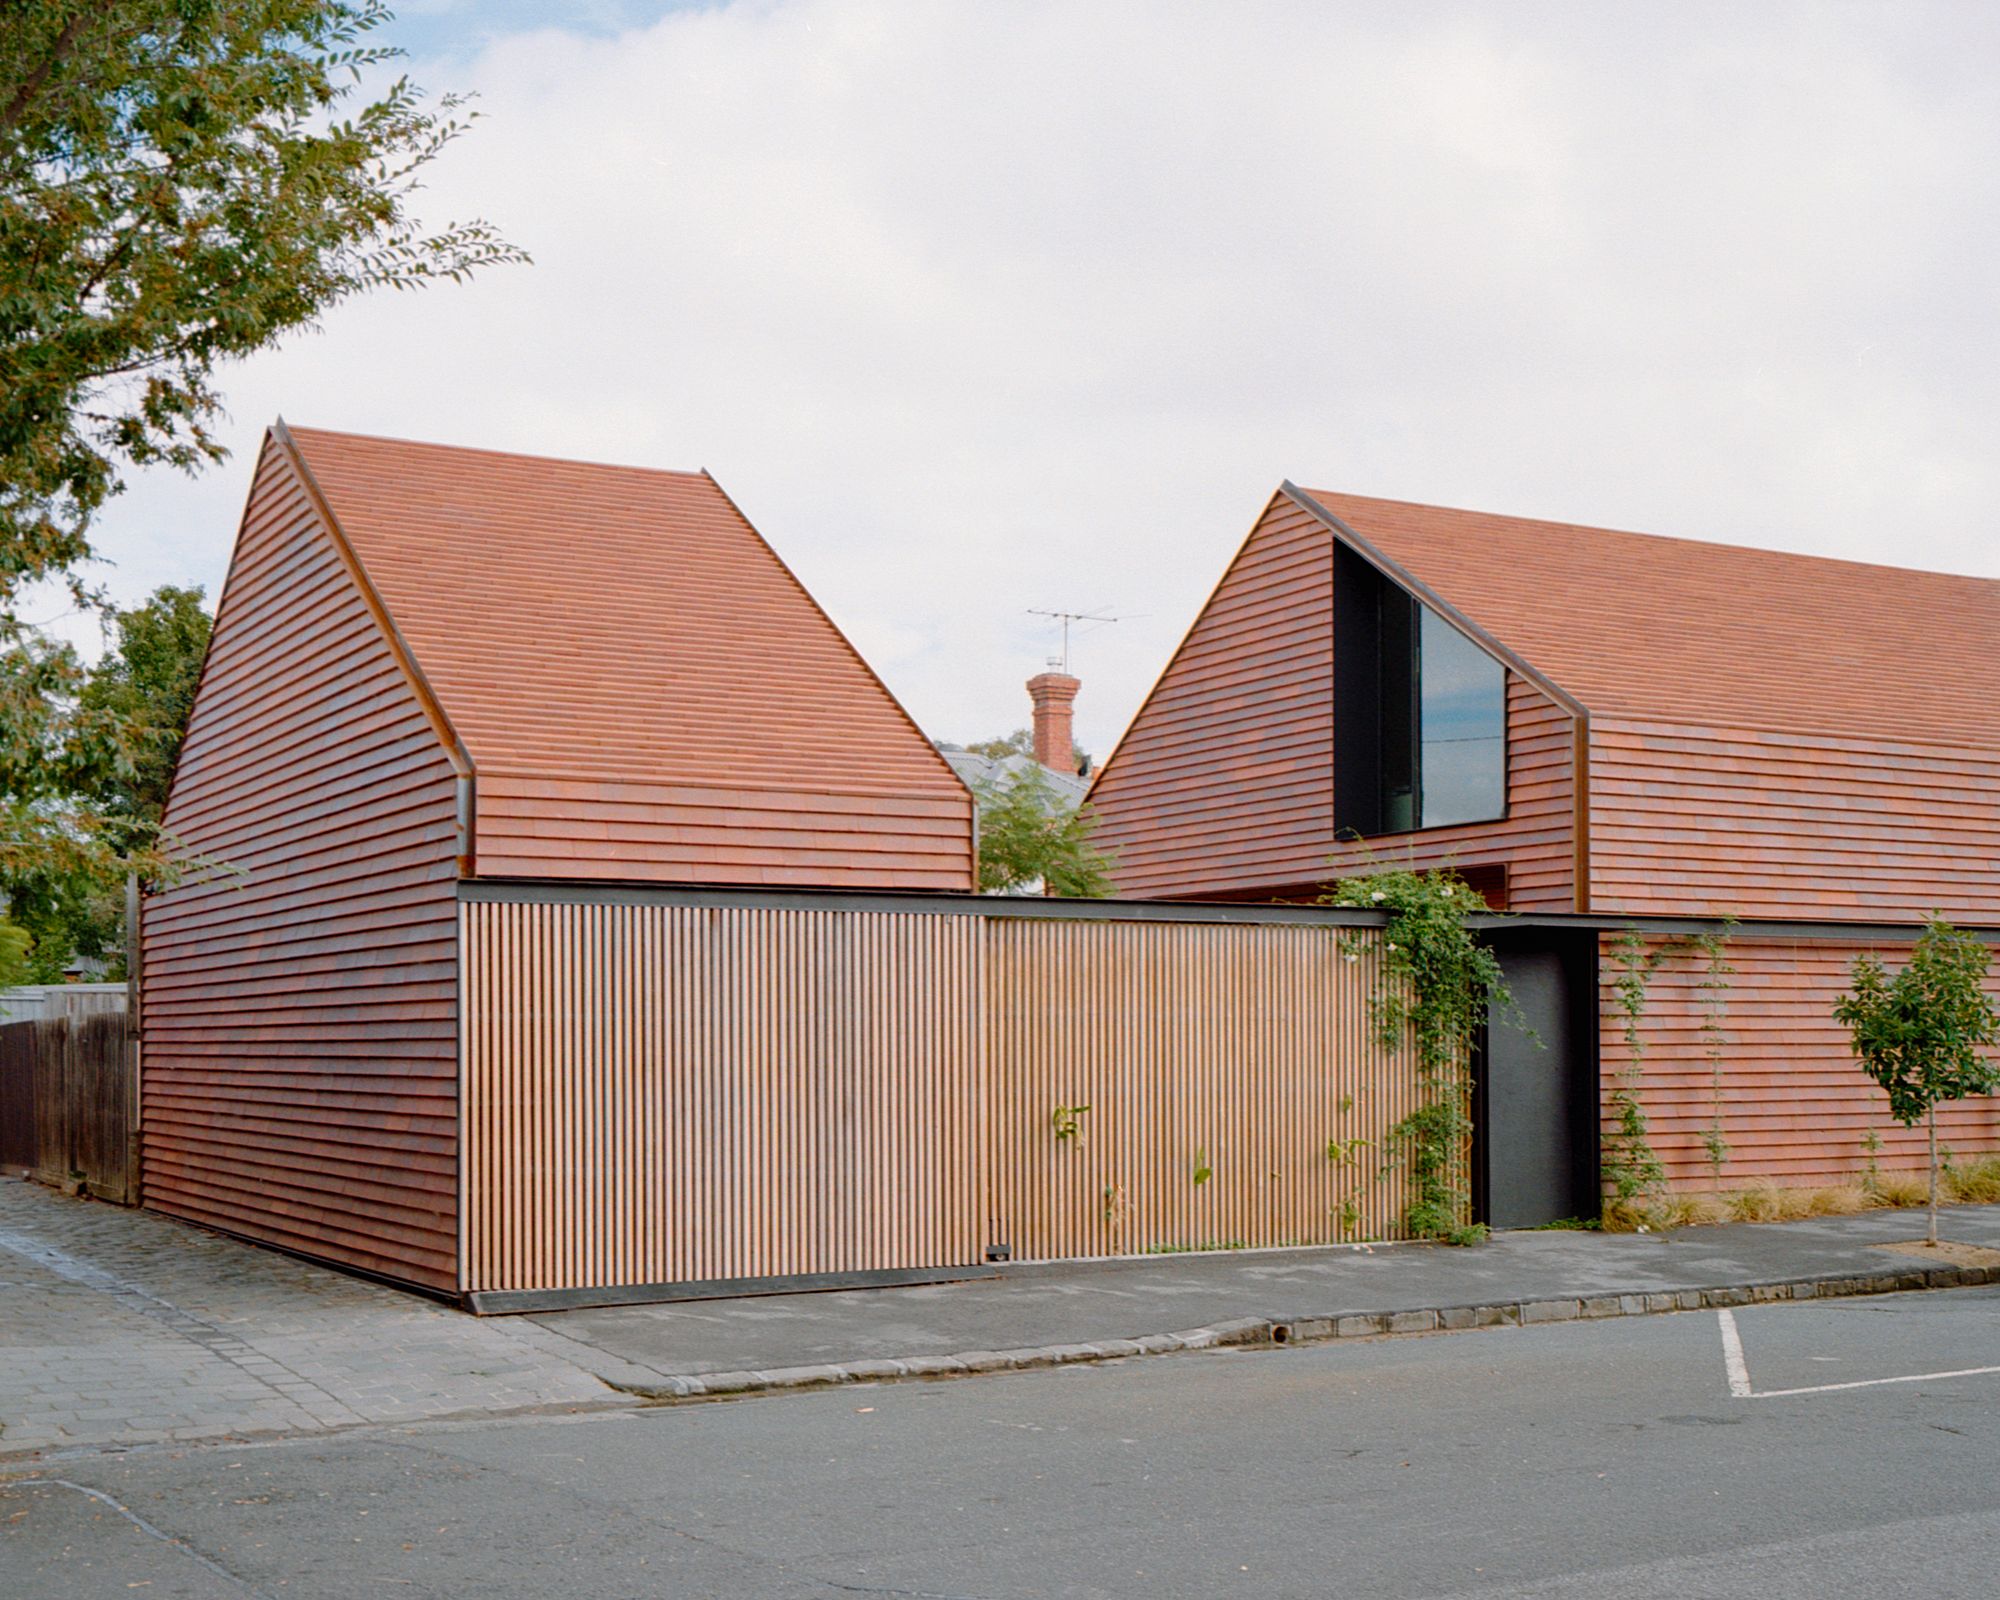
<point>490,1302</point>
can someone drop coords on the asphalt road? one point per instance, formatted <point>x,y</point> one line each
<point>1606,1459</point>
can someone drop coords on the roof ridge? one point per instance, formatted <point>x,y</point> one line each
<point>1678,539</point>
<point>693,473</point>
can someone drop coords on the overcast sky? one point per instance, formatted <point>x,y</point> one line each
<point>977,308</point>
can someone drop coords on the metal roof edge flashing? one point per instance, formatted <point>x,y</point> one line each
<point>552,891</point>
<point>1403,577</point>
<point>466,773</point>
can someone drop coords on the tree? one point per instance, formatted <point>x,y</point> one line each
<point>61,853</point>
<point>1919,1034</point>
<point>144,685</point>
<point>14,969</point>
<point>148,681</point>
<point>182,182</point>
<point>1030,839</point>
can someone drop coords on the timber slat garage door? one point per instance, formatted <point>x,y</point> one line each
<point>1235,1095</point>
<point>672,1095</point>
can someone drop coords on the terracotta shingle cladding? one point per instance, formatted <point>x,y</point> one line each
<point>1758,741</point>
<point>1783,1086</point>
<point>645,691</point>
<point>300,1012</point>
<point>635,687</point>
<point>1225,779</point>
<point>1223,785</point>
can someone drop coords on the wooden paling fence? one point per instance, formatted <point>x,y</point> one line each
<point>659,1094</point>
<point>69,1103</point>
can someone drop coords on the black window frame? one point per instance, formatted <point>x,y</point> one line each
<point>1377,712</point>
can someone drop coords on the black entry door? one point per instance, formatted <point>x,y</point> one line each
<point>1528,1102</point>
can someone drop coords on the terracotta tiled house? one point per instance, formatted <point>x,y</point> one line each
<point>435,667</point>
<point>1601,725</point>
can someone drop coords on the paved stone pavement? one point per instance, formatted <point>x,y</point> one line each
<point>122,1328</point>
<point>125,1327</point>
<point>1031,1314</point>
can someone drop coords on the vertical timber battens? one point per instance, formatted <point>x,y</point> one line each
<point>679,1094</point>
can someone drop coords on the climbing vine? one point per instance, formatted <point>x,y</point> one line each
<point>1631,1168</point>
<point>1714,1012</point>
<point>1437,985</point>
<point>1633,1175</point>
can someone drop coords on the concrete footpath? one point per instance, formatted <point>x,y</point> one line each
<point>1083,1311</point>
<point>122,1328</point>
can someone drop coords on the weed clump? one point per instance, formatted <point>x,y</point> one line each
<point>1970,1183</point>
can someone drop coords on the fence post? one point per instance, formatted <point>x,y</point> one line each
<point>52,1110</point>
<point>134,1033</point>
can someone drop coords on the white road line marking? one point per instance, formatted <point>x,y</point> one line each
<point>1870,1383</point>
<point>1732,1357</point>
<point>1739,1370</point>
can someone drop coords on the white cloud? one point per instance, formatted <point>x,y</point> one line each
<point>979,308</point>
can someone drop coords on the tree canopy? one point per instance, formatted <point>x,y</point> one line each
<point>182,182</point>
<point>147,681</point>
<point>143,686</point>
<point>1031,839</point>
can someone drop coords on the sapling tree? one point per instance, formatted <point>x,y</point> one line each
<point>1921,1032</point>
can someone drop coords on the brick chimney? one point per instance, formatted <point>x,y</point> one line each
<point>1054,693</point>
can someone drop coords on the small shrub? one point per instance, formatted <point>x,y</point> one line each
<point>1760,1203</point>
<point>1922,1033</point>
<point>1845,1201</point>
<point>1973,1183</point>
<point>1895,1190</point>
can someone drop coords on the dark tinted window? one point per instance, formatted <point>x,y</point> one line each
<point>1420,713</point>
<point>1463,721</point>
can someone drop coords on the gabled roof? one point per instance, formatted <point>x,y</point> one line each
<point>1677,630</point>
<point>612,623</point>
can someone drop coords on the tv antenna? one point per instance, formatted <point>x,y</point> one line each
<point>1061,662</point>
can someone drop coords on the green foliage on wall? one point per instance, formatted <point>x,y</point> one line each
<point>1629,1165</point>
<point>1438,985</point>
<point>1634,1179</point>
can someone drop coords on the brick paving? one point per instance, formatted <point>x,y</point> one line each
<point>124,1327</point>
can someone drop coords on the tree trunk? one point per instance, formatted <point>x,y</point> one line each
<point>1933,1233</point>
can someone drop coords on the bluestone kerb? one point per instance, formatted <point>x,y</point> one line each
<point>1270,1332</point>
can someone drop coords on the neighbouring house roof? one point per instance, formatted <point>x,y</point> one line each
<point>642,687</point>
<point>1679,630</point>
<point>1068,787</point>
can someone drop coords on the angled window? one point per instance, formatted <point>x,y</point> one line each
<point>1420,712</point>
